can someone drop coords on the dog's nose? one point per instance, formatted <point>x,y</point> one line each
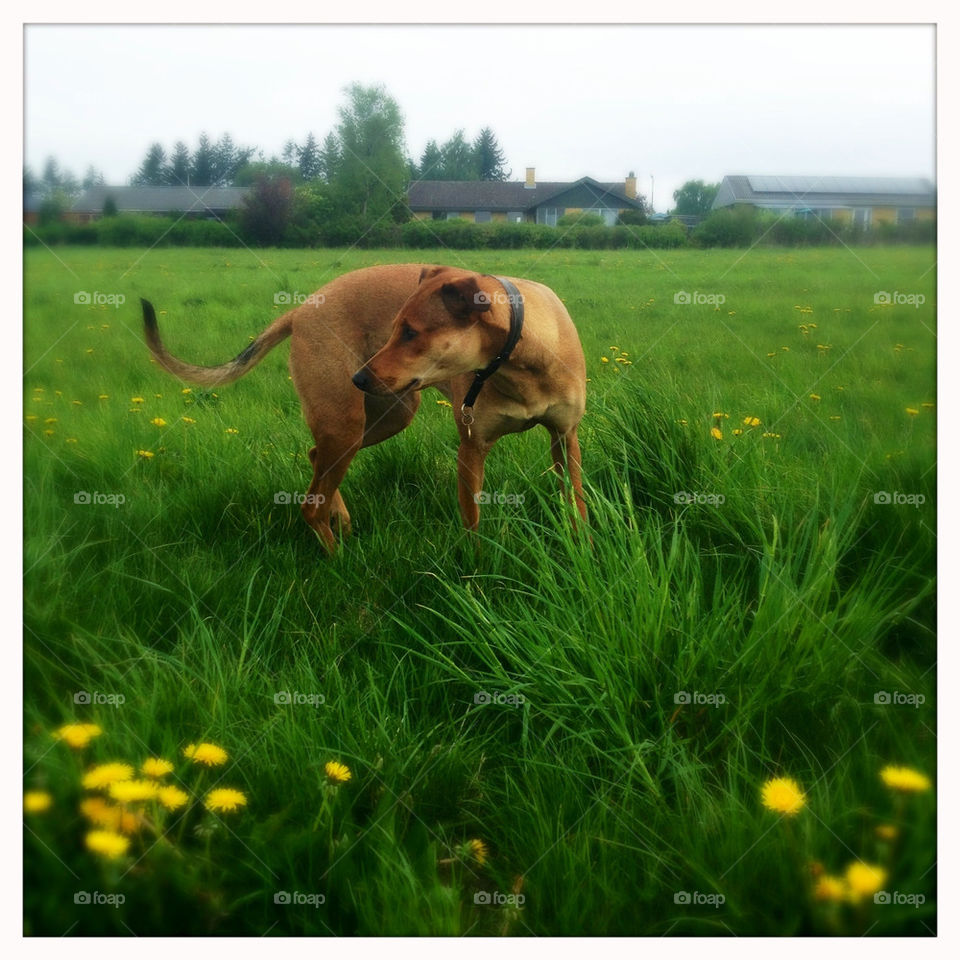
<point>361,379</point>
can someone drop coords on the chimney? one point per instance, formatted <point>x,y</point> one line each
<point>630,185</point>
<point>531,181</point>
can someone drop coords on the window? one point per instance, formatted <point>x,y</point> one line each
<point>515,216</point>
<point>862,216</point>
<point>549,215</point>
<point>453,214</point>
<point>439,215</point>
<point>906,215</point>
<point>482,216</point>
<point>609,216</point>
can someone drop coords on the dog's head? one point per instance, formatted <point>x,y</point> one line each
<point>442,331</point>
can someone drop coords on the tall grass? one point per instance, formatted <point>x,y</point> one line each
<point>601,711</point>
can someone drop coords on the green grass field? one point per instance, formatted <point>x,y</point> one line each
<point>603,718</point>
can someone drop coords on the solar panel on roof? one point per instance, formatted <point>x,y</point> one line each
<point>874,185</point>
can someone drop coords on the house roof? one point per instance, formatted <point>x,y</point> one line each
<point>825,191</point>
<point>160,199</point>
<point>512,195</point>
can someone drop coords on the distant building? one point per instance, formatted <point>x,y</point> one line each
<point>862,200</point>
<point>199,202</point>
<point>526,201</point>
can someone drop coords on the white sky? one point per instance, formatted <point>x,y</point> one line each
<point>677,102</point>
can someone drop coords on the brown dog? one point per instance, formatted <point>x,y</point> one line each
<point>409,326</point>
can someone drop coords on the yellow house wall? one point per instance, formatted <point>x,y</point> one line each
<point>884,215</point>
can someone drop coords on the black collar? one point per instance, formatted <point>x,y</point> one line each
<point>481,376</point>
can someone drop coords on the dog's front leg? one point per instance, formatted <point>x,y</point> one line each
<point>470,460</point>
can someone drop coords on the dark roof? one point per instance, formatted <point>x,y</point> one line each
<point>513,195</point>
<point>161,199</point>
<point>825,191</point>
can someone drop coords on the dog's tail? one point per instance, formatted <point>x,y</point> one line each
<point>234,369</point>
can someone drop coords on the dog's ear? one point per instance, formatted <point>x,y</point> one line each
<point>463,298</point>
<point>427,273</point>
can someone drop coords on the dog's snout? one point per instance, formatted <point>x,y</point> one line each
<point>361,379</point>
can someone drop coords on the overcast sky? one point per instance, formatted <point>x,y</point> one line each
<point>674,102</point>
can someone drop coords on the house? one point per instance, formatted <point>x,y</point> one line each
<point>527,201</point>
<point>206,203</point>
<point>862,200</point>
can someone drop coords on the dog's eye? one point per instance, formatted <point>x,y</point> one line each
<point>407,333</point>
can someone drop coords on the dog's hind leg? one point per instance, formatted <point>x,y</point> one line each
<point>330,458</point>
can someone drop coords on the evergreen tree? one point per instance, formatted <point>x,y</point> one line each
<point>329,161</point>
<point>488,158</point>
<point>152,169</point>
<point>177,173</point>
<point>458,159</point>
<point>431,162</point>
<point>203,166</point>
<point>308,159</point>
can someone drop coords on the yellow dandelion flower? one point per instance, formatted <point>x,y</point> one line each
<point>478,850</point>
<point>159,396</point>
<point>49,433</point>
<point>716,433</point>
<point>927,405</point>
<point>835,417</point>
<point>172,797</point>
<point>830,888</point>
<point>106,773</point>
<point>604,359</point>
<point>783,795</point>
<point>887,831</point>
<point>31,416</point>
<point>772,354</point>
<point>156,767</point>
<point>337,772</point>
<point>231,430</point>
<point>159,422</point>
<point>682,423</point>
<point>37,801</point>
<point>723,416</point>
<point>905,779</point>
<point>107,844</point>
<point>864,879</point>
<point>71,439</point>
<point>145,454</point>
<point>752,421</point>
<point>786,349</point>
<point>913,411</point>
<point>772,436</point>
<point>615,349</point>
<point>77,735</point>
<point>737,432</point>
<point>186,390</point>
<point>188,420</point>
<point>444,403</point>
<point>50,420</point>
<point>104,396</point>
<point>814,397</point>
<point>136,399</point>
<point>224,800</point>
<point>77,403</point>
<point>209,754</point>
<point>101,813</point>
<point>132,791</point>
